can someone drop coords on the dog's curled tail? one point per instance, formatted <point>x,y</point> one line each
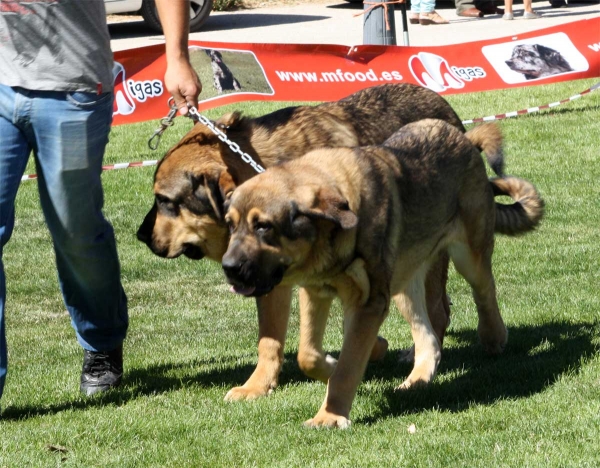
<point>525,213</point>
<point>488,138</point>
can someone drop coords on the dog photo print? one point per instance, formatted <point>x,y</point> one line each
<point>535,58</point>
<point>229,71</point>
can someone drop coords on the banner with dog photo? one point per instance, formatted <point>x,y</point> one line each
<point>309,72</point>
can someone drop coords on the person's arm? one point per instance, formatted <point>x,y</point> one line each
<point>180,79</point>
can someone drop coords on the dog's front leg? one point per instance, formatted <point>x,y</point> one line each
<point>411,302</point>
<point>315,305</point>
<point>273,317</point>
<point>360,335</point>
<point>314,312</point>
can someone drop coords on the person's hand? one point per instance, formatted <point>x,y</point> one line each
<point>184,85</point>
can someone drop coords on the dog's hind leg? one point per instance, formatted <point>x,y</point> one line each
<point>438,303</point>
<point>412,304</point>
<point>273,317</point>
<point>471,252</point>
<point>476,267</point>
<point>314,311</point>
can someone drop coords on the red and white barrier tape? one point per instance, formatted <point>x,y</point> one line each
<point>465,122</point>
<point>109,167</point>
<point>531,109</point>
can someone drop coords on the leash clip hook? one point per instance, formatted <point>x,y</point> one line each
<point>165,123</point>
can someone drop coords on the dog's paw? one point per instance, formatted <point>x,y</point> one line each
<point>317,366</point>
<point>379,349</point>
<point>493,340</point>
<point>421,375</point>
<point>328,420</point>
<point>411,383</point>
<point>407,355</point>
<point>247,393</point>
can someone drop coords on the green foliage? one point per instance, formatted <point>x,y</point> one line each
<point>227,5</point>
<point>190,340</point>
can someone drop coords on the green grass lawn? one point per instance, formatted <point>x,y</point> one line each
<point>190,339</point>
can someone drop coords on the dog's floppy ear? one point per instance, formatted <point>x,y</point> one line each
<point>219,192</point>
<point>331,206</point>
<point>216,189</point>
<point>545,52</point>
<point>226,188</point>
<point>552,56</point>
<point>230,120</point>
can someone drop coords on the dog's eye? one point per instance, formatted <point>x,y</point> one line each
<point>262,227</point>
<point>166,203</point>
<point>230,225</point>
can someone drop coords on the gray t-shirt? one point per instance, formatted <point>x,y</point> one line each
<point>55,45</point>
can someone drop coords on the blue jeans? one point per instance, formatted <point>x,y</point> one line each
<point>422,6</point>
<point>67,133</point>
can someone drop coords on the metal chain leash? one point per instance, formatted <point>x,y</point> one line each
<point>165,123</point>
<point>195,115</point>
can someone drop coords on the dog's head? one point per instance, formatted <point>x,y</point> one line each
<point>214,55</point>
<point>281,224</point>
<point>190,185</point>
<point>535,61</point>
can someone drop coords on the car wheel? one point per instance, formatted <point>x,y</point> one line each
<point>199,12</point>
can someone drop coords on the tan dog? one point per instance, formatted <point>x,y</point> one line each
<point>195,177</point>
<point>365,224</point>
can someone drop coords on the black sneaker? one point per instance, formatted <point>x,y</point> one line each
<point>101,370</point>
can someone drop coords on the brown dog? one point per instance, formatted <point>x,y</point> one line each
<point>194,178</point>
<point>366,224</point>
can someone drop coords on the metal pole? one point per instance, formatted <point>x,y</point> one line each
<point>404,23</point>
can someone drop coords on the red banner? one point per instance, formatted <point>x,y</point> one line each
<point>292,72</point>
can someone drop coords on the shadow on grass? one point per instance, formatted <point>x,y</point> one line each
<point>535,358</point>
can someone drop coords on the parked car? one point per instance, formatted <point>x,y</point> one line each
<point>199,11</point>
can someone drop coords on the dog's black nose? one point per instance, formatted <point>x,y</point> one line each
<point>231,266</point>
<point>144,232</point>
<point>142,235</point>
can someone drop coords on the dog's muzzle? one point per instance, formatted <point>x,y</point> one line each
<point>245,278</point>
<point>192,251</point>
<point>144,232</point>
<point>142,236</point>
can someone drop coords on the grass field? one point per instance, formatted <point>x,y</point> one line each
<point>190,340</point>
